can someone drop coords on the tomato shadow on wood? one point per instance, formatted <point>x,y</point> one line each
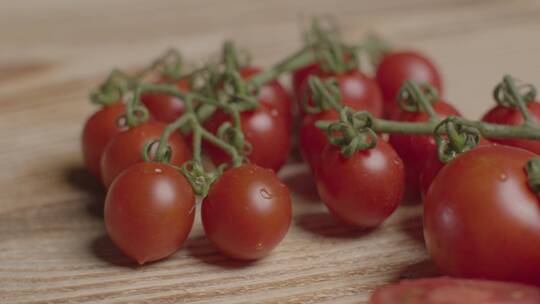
<point>324,224</point>
<point>412,226</point>
<point>422,269</point>
<point>301,183</point>
<point>104,249</point>
<point>203,250</point>
<point>81,180</point>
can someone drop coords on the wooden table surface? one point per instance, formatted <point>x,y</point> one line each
<point>53,246</point>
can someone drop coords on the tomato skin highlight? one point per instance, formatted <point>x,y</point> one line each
<point>362,190</point>
<point>397,67</point>
<point>247,212</point>
<point>414,149</point>
<point>507,116</point>
<point>455,291</point>
<point>97,132</point>
<point>125,149</point>
<point>264,129</point>
<point>166,108</point>
<point>149,211</point>
<point>481,220</point>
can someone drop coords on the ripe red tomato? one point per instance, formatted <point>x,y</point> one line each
<point>166,108</point>
<point>272,94</point>
<point>125,149</point>
<point>362,190</point>
<point>432,166</point>
<point>455,291</point>
<point>300,76</point>
<point>508,116</point>
<point>312,139</point>
<point>397,67</point>
<point>481,219</point>
<point>413,149</point>
<point>357,90</point>
<point>149,211</point>
<point>247,212</point>
<point>97,132</point>
<point>264,129</point>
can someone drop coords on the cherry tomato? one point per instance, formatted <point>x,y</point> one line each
<point>397,67</point>
<point>455,291</point>
<point>481,219</point>
<point>264,129</point>
<point>125,149</point>
<point>272,94</point>
<point>413,149</point>
<point>508,116</point>
<point>149,211</point>
<point>166,108</point>
<point>97,132</point>
<point>357,91</point>
<point>364,189</point>
<point>300,76</point>
<point>432,166</point>
<point>312,139</point>
<point>247,212</point>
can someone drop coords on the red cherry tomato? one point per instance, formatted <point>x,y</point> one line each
<point>432,166</point>
<point>357,90</point>
<point>149,211</point>
<point>455,291</point>
<point>508,116</point>
<point>166,108</point>
<point>481,219</point>
<point>300,76</point>
<point>413,149</point>
<point>97,132</point>
<point>362,190</point>
<point>397,67</point>
<point>247,212</point>
<point>272,94</point>
<point>264,129</point>
<point>125,149</point>
<point>312,139</point>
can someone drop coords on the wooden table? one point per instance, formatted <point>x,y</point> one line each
<point>53,247</point>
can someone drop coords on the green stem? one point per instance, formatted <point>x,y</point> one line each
<point>520,103</point>
<point>416,94</point>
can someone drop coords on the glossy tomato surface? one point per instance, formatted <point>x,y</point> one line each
<point>272,94</point>
<point>264,129</point>
<point>300,76</point>
<point>510,116</point>
<point>97,132</point>
<point>247,212</point>
<point>125,149</point>
<point>397,67</point>
<point>149,211</point>
<point>414,149</point>
<point>357,91</point>
<point>312,139</point>
<point>481,219</point>
<point>362,190</point>
<point>166,108</point>
<point>455,291</point>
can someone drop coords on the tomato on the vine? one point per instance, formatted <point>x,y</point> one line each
<point>357,91</point>
<point>300,76</point>
<point>364,189</point>
<point>166,108</point>
<point>413,149</point>
<point>247,212</point>
<point>125,149</point>
<point>512,116</point>
<point>481,218</point>
<point>97,132</point>
<point>397,67</point>
<point>313,140</point>
<point>271,94</point>
<point>149,211</point>
<point>264,129</point>
<point>455,291</point>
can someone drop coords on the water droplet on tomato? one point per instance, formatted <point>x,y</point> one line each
<point>266,194</point>
<point>503,177</point>
<point>158,170</point>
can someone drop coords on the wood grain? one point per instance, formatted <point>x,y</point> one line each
<point>53,247</point>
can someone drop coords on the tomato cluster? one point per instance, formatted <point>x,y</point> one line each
<point>481,207</point>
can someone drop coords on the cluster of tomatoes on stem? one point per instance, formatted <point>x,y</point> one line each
<point>366,139</point>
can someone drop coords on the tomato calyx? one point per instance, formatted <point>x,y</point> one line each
<point>325,95</point>
<point>112,90</point>
<point>510,94</point>
<point>415,97</point>
<point>533,174</point>
<point>454,137</point>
